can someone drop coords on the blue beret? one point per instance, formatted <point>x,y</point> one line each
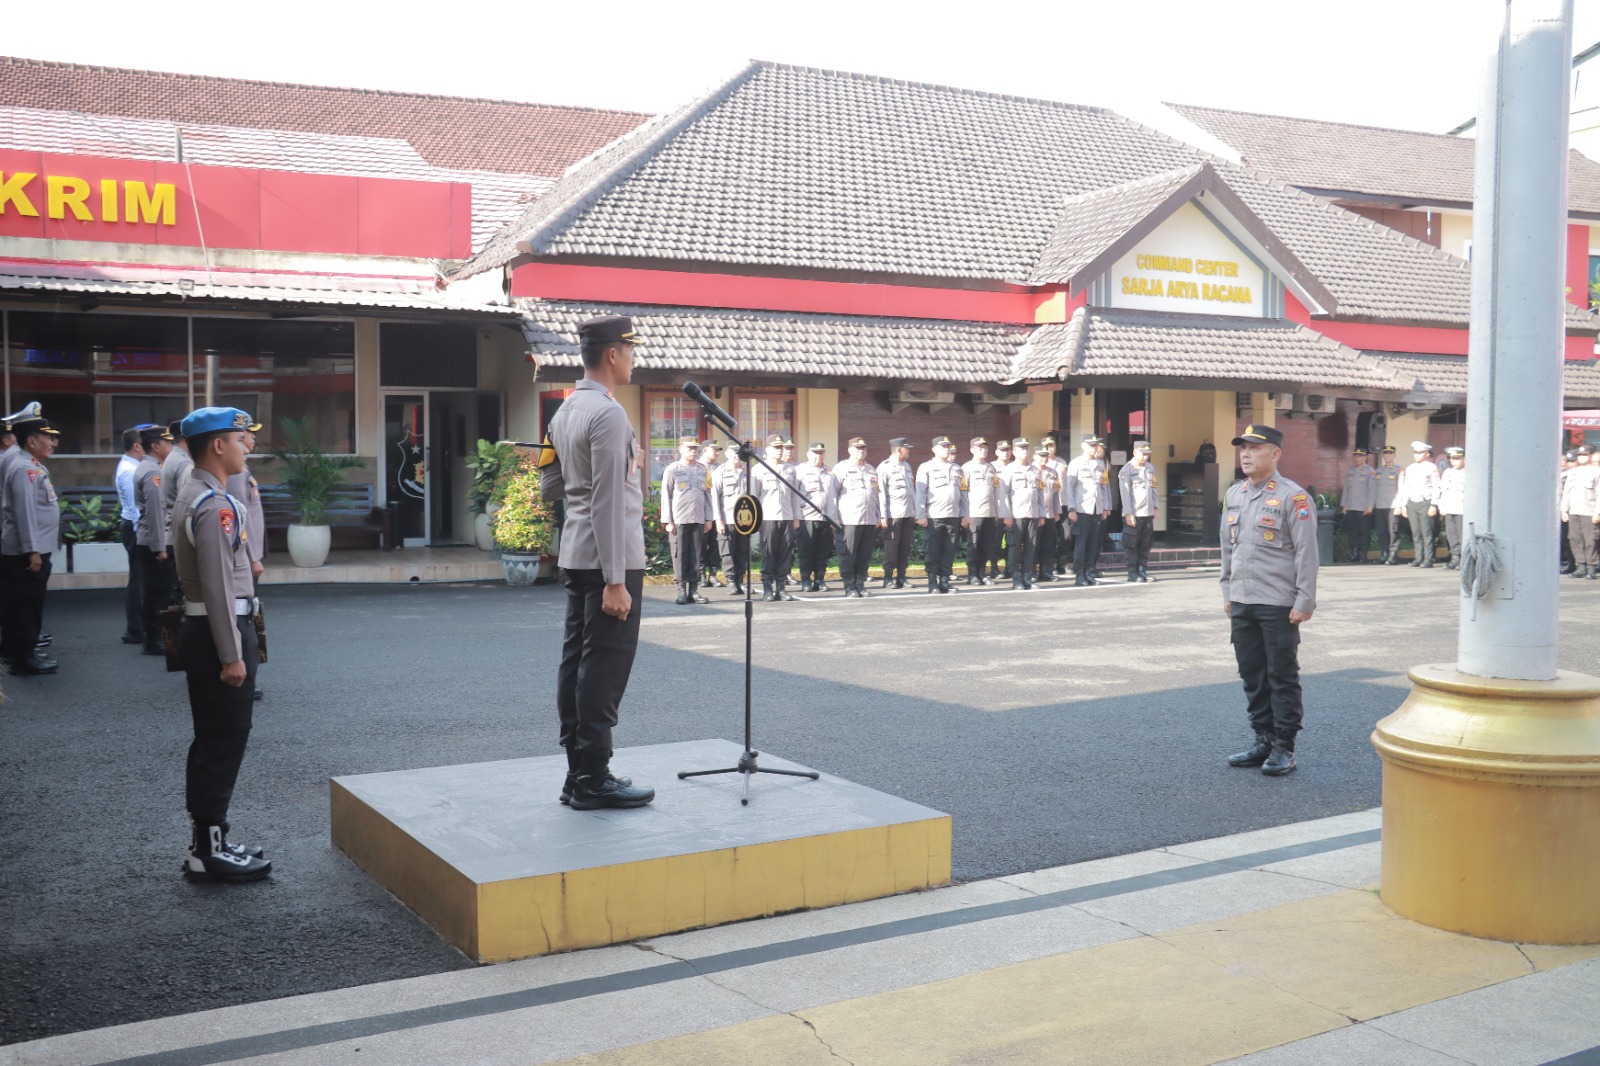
<point>215,419</point>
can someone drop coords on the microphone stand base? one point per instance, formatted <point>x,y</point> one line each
<point>747,766</point>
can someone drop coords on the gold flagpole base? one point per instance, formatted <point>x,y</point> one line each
<point>1491,806</point>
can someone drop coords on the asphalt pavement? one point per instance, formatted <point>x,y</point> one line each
<point>1055,726</point>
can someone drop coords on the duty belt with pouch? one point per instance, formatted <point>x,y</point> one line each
<point>242,607</point>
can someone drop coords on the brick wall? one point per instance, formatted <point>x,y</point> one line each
<point>867,414</point>
<point>1316,450</point>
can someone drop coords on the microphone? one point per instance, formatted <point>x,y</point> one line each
<point>518,443</point>
<point>707,404</point>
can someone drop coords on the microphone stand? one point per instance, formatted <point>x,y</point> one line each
<point>748,766</point>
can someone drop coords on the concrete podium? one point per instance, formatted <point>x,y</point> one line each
<point>489,858</point>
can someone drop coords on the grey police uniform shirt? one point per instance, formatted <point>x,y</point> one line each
<point>778,501</point>
<point>821,489</point>
<point>243,487</point>
<point>1419,483</point>
<point>1453,491</point>
<point>32,521</point>
<point>1088,487</point>
<point>7,457</point>
<point>1582,493</point>
<point>1385,487</point>
<point>1269,545</point>
<point>152,533</point>
<point>175,470</point>
<point>1024,485</point>
<point>1138,485</point>
<point>897,489</point>
<point>1051,489</point>
<point>941,490</point>
<point>1059,467</point>
<point>986,497</point>
<point>211,545</point>
<point>601,482</point>
<point>1360,488</point>
<point>686,493</point>
<point>860,499</point>
<point>728,482</point>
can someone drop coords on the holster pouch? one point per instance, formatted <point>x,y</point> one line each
<point>260,620</point>
<point>171,619</point>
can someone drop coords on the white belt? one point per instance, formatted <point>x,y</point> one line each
<point>198,610</point>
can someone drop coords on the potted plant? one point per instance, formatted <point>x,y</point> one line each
<point>86,522</point>
<point>524,525</point>
<point>487,467</point>
<point>309,475</point>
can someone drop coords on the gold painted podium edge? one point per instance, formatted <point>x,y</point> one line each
<point>522,917</point>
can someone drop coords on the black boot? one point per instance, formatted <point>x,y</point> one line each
<point>738,589</point>
<point>900,582</point>
<point>1080,581</point>
<point>1281,761</point>
<point>683,595</point>
<point>694,595</point>
<point>1394,559</point>
<point>212,858</point>
<point>595,786</point>
<point>1256,754</point>
<point>766,592</point>
<point>1133,574</point>
<point>572,774</point>
<point>1579,571</point>
<point>36,663</point>
<point>1144,575</point>
<point>783,592</point>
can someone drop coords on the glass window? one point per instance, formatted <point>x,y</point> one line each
<point>762,415</point>
<point>279,370</point>
<point>670,415</point>
<point>96,375</point>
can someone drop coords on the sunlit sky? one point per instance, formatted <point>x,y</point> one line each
<point>1411,64</point>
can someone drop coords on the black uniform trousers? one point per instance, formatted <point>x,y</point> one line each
<point>1002,548</point>
<point>897,546</point>
<point>1582,531</point>
<point>1136,541</point>
<point>855,554</point>
<point>222,717</point>
<point>1452,534</point>
<point>134,627</point>
<point>1358,527</point>
<point>1086,542</point>
<point>983,546</point>
<point>1383,525</point>
<point>1267,648</point>
<point>160,576</point>
<point>24,605</point>
<point>1047,548</point>
<point>1421,531</point>
<point>1024,538</point>
<point>815,538</point>
<point>687,544</point>
<point>735,554</point>
<point>1568,560</point>
<point>597,652</point>
<point>939,547</point>
<point>777,550</point>
<point>710,558</point>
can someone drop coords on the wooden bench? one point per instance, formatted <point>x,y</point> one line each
<point>350,507</point>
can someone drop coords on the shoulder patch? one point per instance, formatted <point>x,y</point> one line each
<point>1300,497</point>
<point>226,517</point>
<point>1303,512</point>
<point>157,479</point>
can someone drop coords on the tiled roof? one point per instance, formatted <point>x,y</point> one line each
<point>1337,158</point>
<point>1443,378</point>
<point>496,197</point>
<point>789,168</point>
<point>794,345</point>
<point>1090,223</point>
<point>1107,346</point>
<point>447,131</point>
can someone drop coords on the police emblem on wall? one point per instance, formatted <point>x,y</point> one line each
<point>746,515</point>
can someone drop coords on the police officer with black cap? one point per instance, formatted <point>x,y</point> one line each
<point>153,543</point>
<point>859,503</point>
<point>780,518</point>
<point>1269,588</point>
<point>217,640</point>
<point>942,510</point>
<point>710,556</point>
<point>29,531</point>
<point>686,516</point>
<point>595,466</point>
<point>897,507</point>
<point>815,541</point>
<point>1088,504</point>
<point>728,482</point>
<point>986,506</point>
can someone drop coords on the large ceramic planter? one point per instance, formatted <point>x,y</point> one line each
<point>96,557</point>
<point>521,568</point>
<point>308,545</point>
<point>483,532</point>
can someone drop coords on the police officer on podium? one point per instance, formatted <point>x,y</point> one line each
<point>217,639</point>
<point>1269,589</point>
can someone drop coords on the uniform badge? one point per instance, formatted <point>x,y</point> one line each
<point>33,475</point>
<point>1268,520</point>
<point>1274,503</point>
<point>226,517</point>
<point>157,479</point>
<point>1303,513</point>
<point>1272,486</point>
<point>1232,518</point>
<point>1269,535</point>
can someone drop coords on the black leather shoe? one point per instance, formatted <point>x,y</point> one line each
<point>1133,576</point>
<point>1428,565</point>
<point>1394,560</point>
<point>784,594</point>
<point>1080,582</point>
<point>695,597</point>
<point>1256,754</point>
<point>738,590</point>
<point>257,694</point>
<point>572,780</point>
<point>886,583</point>
<point>933,586</point>
<point>899,582</point>
<point>154,649</point>
<point>133,638</point>
<point>683,598</point>
<point>594,790</point>
<point>1144,574</point>
<point>1280,762</point>
<point>45,640</point>
<point>36,663</point>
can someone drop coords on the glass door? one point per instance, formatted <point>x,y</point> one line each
<point>405,464</point>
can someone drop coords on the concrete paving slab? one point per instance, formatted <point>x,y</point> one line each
<point>1280,836</point>
<point>1354,867</point>
<point>1225,896</point>
<point>1355,1044</point>
<point>1097,871</point>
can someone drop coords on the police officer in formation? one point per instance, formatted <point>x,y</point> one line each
<point>686,515</point>
<point>1453,502</point>
<point>1140,505</point>
<point>998,567</point>
<point>1569,563</point>
<point>780,518</point>
<point>1088,504</point>
<point>710,555</point>
<point>1419,493</point>
<point>897,484</point>
<point>217,639</point>
<point>1047,552</point>
<point>1025,499</point>
<point>728,482</point>
<point>860,504</point>
<point>942,511</point>
<point>30,527</point>
<point>154,537</point>
<point>1385,490</point>
<point>1357,500</point>
<point>816,536</point>
<point>986,509</point>
<point>1269,589</point>
<point>128,528</point>
<point>1580,509</point>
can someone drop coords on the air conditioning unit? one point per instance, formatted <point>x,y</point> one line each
<point>1314,403</point>
<point>1421,406</point>
<point>934,401</point>
<point>1283,401</point>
